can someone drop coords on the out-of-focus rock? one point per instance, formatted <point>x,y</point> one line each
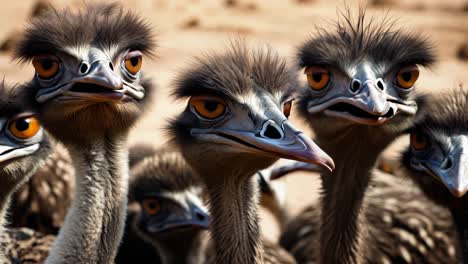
<point>244,6</point>
<point>231,3</point>
<point>191,23</point>
<point>462,53</point>
<point>305,1</point>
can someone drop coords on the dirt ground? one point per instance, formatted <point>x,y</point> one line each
<point>192,27</point>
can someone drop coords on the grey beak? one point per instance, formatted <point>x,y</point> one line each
<point>455,177</point>
<point>103,75</point>
<point>194,218</point>
<point>374,99</point>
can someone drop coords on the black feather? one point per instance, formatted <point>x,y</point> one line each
<point>105,25</point>
<point>365,38</point>
<point>237,71</point>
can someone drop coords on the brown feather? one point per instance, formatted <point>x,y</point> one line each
<point>403,226</point>
<point>43,202</point>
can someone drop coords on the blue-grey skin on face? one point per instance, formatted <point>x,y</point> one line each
<point>61,75</point>
<point>442,156</point>
<point>365,93</point>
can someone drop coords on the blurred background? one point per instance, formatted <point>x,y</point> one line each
<point>192,27</point>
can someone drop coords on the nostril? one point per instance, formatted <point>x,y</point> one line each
<point>447,164</point>
<point>200,216</point>
<point>380,84</point>
<point>84,68</point>
<point>389,113</point>
<point>355,85</point>
<point>272,132</point>
<point>111,66</point>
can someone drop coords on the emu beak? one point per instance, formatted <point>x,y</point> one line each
<point>100,84</point>
<point>454,174</point>
<point>375,101</point>
<point>297,146</point>
<point>11,152</point>
<point>194,218</point>
<point>283,141</point>
<point>369,105</point>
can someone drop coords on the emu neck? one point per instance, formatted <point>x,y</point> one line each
<point>343,218</point>
<point>4,204</point>
<point>94,224</point>
<point>235,223</point>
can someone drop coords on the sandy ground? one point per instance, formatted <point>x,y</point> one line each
<point>192,27</point>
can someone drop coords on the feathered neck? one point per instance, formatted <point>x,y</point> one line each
<point>4,204</point>
<point>342,232</point>
<point>94,224</point>
<point>235,222</point>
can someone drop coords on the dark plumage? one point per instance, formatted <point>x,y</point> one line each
<point>357,39</point>
<point>236,72</point>
<point>89,90</point>
<point>233,126</point>
<point>174,233</point>
<point>400,224</point>
<point>435,160</point>
<point>107,26</point>
<point>43,202</point>
<point>154,172</point>
<point>163,170</point>
<point>358,99</point>
<point>24,245</point>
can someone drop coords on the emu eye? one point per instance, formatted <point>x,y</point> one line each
<point>287,108</point>
<point>407,77</point>
<point>418,141</point>
<point>133,62</point>
<point>24,127</point>
<point>46,66</point>
<point>209,107</point>
<point>317,77</point>
<point>151,206</point>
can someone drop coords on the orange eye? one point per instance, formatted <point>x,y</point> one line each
<point>208,107</point>
<point>418,141</point>
<point>133,62</point>
<point>47,66</point>
<point>407,77</point>
<point>318,77</point>
<point>24,127</point>
<point>287,108</point>
<point>151,206</point>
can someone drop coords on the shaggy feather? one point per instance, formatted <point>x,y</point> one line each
<point>365,38</point>
<point>105,25</point>
<point>236,72</point>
